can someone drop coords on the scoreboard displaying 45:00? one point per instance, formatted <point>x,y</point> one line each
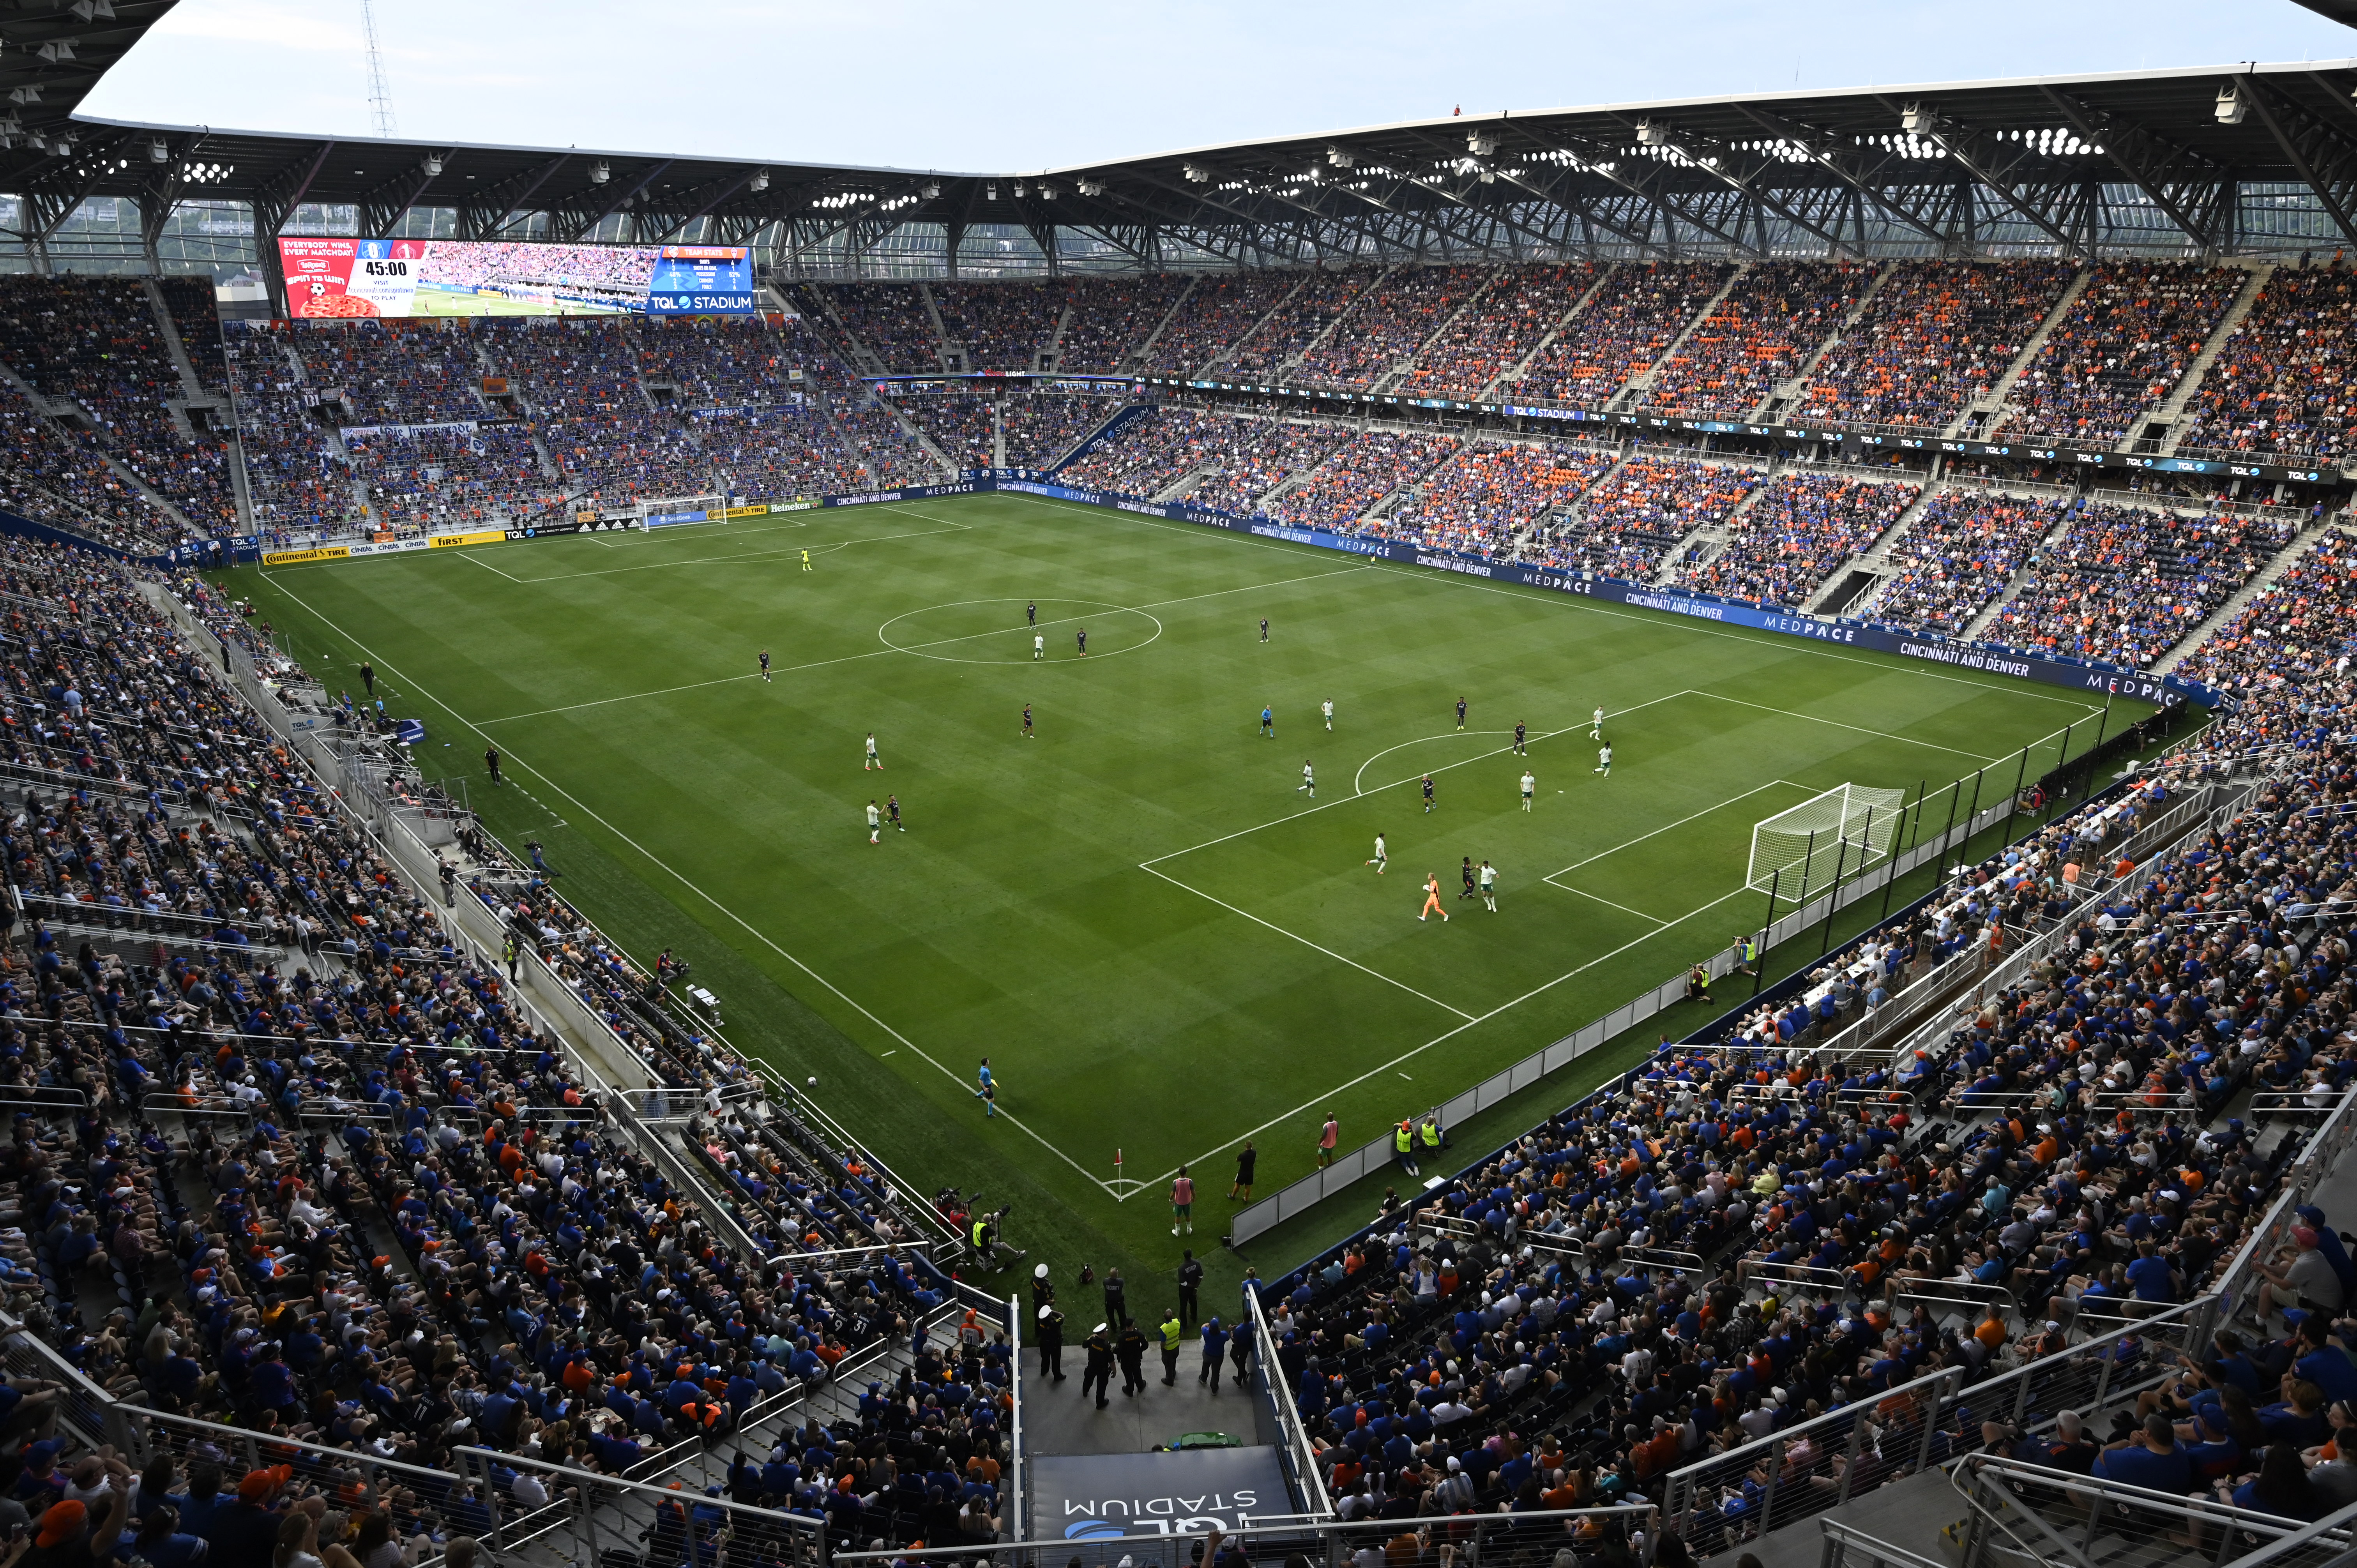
<point>329,279</point>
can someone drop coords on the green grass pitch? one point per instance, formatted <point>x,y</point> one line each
<point>1164,945</point>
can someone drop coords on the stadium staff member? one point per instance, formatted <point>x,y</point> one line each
<point>1403,1145</point>
<point>1191,1282</point>
<point>1130,1351</point>
<point>1050,1330</point>
<point>1098,1373</point>
<point>1428,1136</point>
<point>1172,1330</point>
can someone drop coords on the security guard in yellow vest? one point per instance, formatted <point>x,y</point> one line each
<point>1427,1138</point>
<point>1404,1146</point>
<point>1171,1330</point>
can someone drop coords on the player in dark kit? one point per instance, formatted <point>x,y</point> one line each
<point>765,664</point>
<point>892,811</point>
<point>1519,739</point>
<point>1083,636</point>
<point>1461,713</point>
<point>1031,615</point>
<point>1468,878</point>
<point>1428,791</point>
<point>491,761</point>
<point>1026,721</point>
<point>1263,628</point>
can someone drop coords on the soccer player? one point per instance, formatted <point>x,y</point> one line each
<point>1308,780</point>
<point>1039,645</point>
<point>1026,721</point>
<point>1521,739</point>
<point>806,565</point>
<point>765,664</point>
<point>1428,794</point>
<point>1461,713</point>
<point>1528,784</point>
<point>988,1091</point>
<point>1604,760</point>
<point>1467,871</point>
<point>892,811</point>
<point>1329,706</point>
<point>1083,636</point>
<point>1596,730</point>
<point>1381,861</point>
<point>1432,899</point>
<point>1263,628</point>
<point>875,820</point>
<point>1269,723</point>
<point>1030,615</point>
<point>1182,1202</point>
<point>1326,1139</point>
<point>1490,885</point>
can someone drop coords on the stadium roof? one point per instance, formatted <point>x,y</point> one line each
<point>2205,159</point>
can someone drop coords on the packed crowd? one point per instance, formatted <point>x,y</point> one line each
<point>891,320</point>
<point>1249,458</point>
<point>1357,475</point>
<point>1042,426</point>
<point>723,361</point>
<point>2127,584</point>
<point>1936,337</point>
<point>1154,452</point>
<point>1623,331</point>
<point>1488,496</point>
<point>46,475</point>
<point>2126,340</point>
<point>1112,319</point>
<point>1391,324</point>
<point>962,427</point>
<point>394,372</point>
<point>1789,542</point>
<point>1761,335</point>
<point>625,270</point>
<point>777,454</point>
<point>96,345</point>
<point>1629,523</point>
<point>2297,633</point>
<point>1001,325</point>
<point>444,477</point>
<point>297,480</point>
<point>1959,554</point>
<point>1318,304</point>
<point>2280,383</point>
<point>1216,313</point>
<point>1500,330</point>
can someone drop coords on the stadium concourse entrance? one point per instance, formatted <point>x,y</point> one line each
<point>1057,1418</point>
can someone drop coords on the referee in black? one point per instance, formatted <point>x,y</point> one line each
<point>1190,1280</point>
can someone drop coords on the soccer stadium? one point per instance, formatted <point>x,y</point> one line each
<point>693,842</point>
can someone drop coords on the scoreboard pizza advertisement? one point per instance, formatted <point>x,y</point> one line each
<point>344,280</point>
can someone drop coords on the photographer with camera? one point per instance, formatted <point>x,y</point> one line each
<point>981,1235</point>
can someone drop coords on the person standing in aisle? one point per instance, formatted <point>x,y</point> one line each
<point>1117,1295</point>
<point>1190,1284</point>
<point>1172,1332</point>
<point>1050,1328</point>
<point>1182,1202</point>
<point>1215,1347</point>
<point>1098,1373</point>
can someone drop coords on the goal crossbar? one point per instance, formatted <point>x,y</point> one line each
<point>1802,851</point>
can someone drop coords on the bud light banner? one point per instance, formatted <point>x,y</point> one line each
<point>1111,1498</point>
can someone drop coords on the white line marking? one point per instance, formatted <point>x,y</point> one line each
<point>1393,1065</point>
<point>1305,941</point>
<point>1820,719</point>
<point>1665,827</point>
<point>1409,1077</point>
<point>653,859</point>
<point>477,560</point>
<point>1442,735</point>
<point>1346,799</point>
<point>1606,902</point>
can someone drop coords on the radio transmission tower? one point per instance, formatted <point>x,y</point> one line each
<point>379,91</point>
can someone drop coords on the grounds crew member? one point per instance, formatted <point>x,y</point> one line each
<point>1428,1138</point>
<point>1130,1349</point>
<point>1403,1145</point>
<point>1050,1330</point>
<point>1098,1373</point>
<point>1172,1328</point>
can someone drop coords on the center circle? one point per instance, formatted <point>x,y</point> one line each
<point>995,631</point>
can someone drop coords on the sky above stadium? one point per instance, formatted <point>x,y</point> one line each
<point>933,84</point>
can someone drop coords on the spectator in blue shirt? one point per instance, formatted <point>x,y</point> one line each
<point>2152,1458</point>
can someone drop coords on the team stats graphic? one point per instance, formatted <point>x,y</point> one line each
<point>335,279</point>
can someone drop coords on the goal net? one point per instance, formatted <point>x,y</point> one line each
<point>1841,833</point>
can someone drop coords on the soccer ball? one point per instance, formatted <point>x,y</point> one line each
<point>813,1081</point>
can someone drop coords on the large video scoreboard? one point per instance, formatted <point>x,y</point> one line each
<point>340,279</point>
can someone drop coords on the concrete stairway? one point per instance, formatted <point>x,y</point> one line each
<point>2020,580</point>
<point>1632,395</point>
<point>1875,557</point>
<point>1389,381</point>
<point>1993,402</point>
<point>1522,366</point>
<point>1220,357</point>
<point>1144,351</point>
<point>1341,320</point>
<point>1713,537</point>
<point>2172,408</point>
<point>2261,581</point>
<point>1798,382</point>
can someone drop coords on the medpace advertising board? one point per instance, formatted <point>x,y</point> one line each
<point>340,280</point>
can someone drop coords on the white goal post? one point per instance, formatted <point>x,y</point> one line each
<point>1799,853</point>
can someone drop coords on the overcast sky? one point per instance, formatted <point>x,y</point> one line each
<point>968,87</point>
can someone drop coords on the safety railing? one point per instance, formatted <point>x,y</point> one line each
<point>2049,1517</point>
<point>1471,1540</point>
<point>88,1410</point>
<point>667,1520</point>
<point>1301,1454</point>
<point>1820,1463</point>
<point>1846,1546</point>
